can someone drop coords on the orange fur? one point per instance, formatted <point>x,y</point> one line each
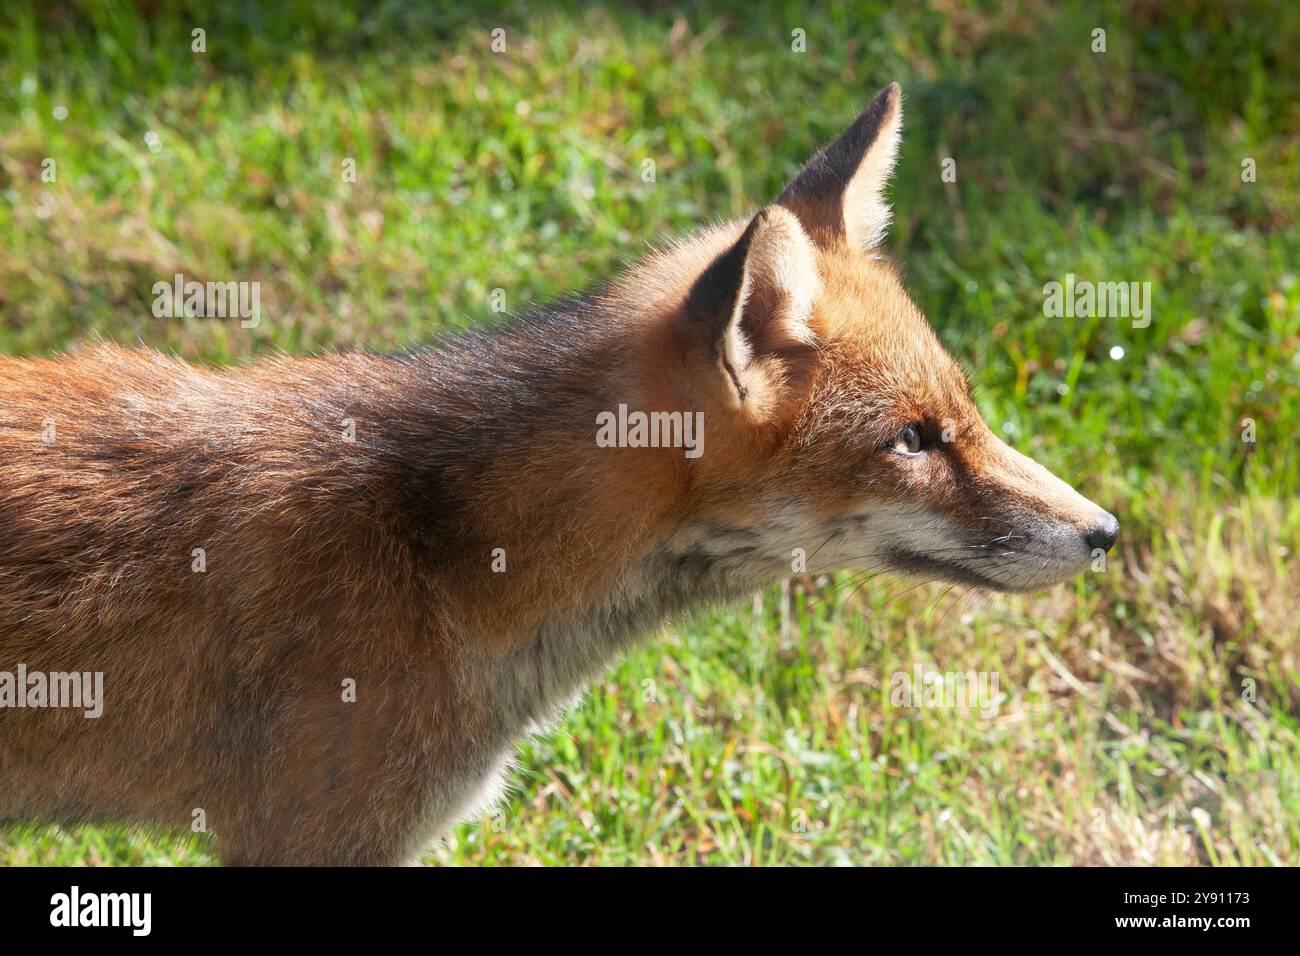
<point>377,560</point>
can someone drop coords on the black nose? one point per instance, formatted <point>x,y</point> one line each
<point>1103,536</point>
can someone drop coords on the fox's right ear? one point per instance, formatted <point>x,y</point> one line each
<point>839,195</point>
<point>752,304</point>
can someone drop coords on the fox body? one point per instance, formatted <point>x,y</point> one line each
<point>329,594</point>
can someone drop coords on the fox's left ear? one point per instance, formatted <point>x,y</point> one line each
<point>749,309</point>
<point>839,195</point>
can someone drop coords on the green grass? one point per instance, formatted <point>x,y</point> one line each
<point>1152,711</point>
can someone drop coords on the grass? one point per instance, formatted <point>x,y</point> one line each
<point>1151,710</point>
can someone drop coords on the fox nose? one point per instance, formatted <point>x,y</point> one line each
<point>1104,534</point>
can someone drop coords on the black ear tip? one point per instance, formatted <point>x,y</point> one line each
<point>885,104</point>
<point>714,292</point>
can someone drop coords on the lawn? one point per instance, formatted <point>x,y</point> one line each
<point>1150,711</point>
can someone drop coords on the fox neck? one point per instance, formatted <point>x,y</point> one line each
<point>678,567</point>
<point>546,669</point>
<point>565,554</point>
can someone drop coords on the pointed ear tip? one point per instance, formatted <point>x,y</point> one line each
<point>776,220</point>
<point>884,111</point>
<point>891,97</point>
<point>773,214</point>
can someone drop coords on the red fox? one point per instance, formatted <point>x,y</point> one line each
<point>328,595</point>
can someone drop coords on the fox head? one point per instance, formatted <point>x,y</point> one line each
<point>837,427</point>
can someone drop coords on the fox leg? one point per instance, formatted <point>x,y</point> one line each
<point>361,783</point>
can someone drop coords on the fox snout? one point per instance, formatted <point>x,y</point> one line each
<point>1103,536</point>
<point>1048,531</point>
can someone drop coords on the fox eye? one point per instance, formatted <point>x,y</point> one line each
<point>908,441</point>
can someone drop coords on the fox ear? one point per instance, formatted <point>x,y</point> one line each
<point>839,195</point>
<point>754,300</point>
